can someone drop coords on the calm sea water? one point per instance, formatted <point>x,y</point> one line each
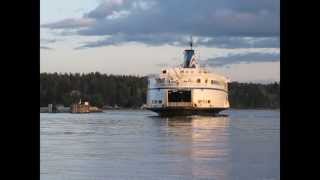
<point>140,145</point>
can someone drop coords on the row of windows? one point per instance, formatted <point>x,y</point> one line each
<point>199,101</point>
<point>156,101</point>
<point>212,82</point>
<point>198,81</point>
<point>160,80</point>
<point>204,101</point>
<point>182,71</point>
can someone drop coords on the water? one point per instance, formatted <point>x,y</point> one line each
<point>140,145</point>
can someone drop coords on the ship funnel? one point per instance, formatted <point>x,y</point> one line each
<point>189,57</point>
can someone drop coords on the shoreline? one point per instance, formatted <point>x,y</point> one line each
<point>114,109</point>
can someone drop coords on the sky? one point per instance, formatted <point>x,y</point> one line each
<point>239,39</point>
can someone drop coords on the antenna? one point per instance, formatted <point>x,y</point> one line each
<point>191,42</point>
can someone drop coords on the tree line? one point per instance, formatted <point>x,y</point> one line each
<point>254,95</point>
<point>130,91</point>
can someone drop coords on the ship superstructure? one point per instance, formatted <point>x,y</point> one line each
<point>188,89</point>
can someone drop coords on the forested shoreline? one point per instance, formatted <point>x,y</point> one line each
<point>130,91</point>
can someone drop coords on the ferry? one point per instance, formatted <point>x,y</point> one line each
<point>187,89</point>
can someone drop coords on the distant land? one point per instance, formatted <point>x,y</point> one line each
<point>124,91</point>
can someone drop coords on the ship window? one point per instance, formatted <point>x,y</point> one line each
<point>208,101</point>
<point>211,81</point>
<point>198,80</point>
<point>164,71</point>
<point>181,71</point>
<point>206,81</point>
<point>160,101</point>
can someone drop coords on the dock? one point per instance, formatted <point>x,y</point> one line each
<point>81,107</point>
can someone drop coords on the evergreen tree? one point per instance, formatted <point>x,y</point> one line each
<point>130,91</point>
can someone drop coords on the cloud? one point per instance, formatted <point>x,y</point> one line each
<point>240,42</point>
<point>156,22</point>
<point>252,57</point>
<point>106,8</point>
<point>148,39</point>
<point>46,48</point>
<point>70,23</point>
<point>47,41</point>
<point>183,41</point>
<point>202,18</point>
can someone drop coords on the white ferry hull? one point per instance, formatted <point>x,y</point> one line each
<point>187,101</point>
<point>185,111</point>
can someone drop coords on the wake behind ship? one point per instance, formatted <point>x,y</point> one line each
<point>187,90</point>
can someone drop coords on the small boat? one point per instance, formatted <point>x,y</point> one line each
<point>84,107</point>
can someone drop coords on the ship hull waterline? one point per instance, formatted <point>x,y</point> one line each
<point>186,111</point>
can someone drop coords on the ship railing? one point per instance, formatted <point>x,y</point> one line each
<point>187,84</point>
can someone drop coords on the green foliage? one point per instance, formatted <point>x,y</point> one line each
<point>130,91</point>
<point>98,89</point>
<point>249,95</point>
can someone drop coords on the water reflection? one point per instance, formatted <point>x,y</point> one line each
<point>202,141</point>
<point>136,145</point>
